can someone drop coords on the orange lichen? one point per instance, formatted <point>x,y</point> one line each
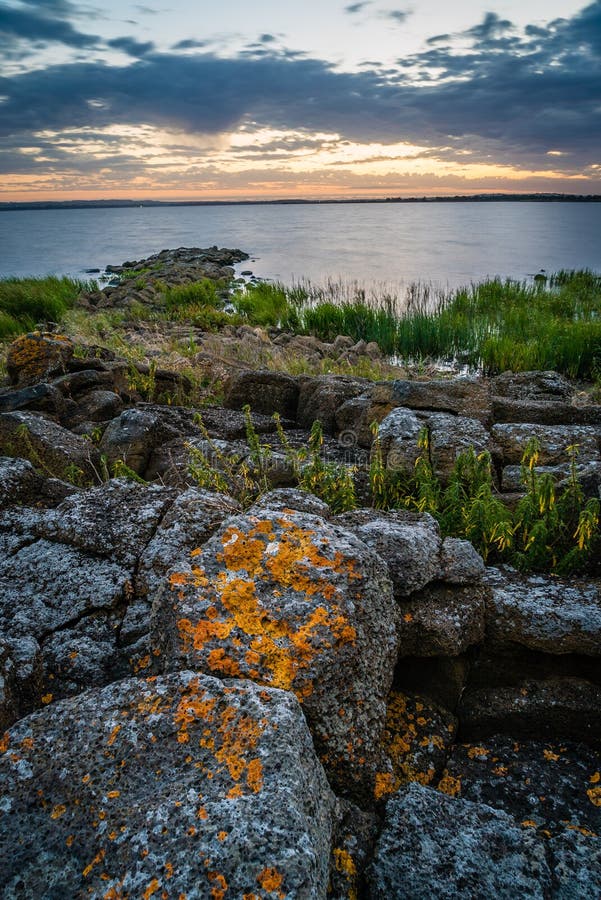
<point>97,859</point>
<point>270,879</point>
<point>596,778</point>
<point>550,756</point>
<point>220,886</point>
<point>594,795</point>
<point>112,794</point>
<point>478,752</point>
<point>152,888</point>
<point>385,783</point>
<point>222,836</point>
<point>46,699</point>
<point>4,742</point>
<point>450,785</point>
<point>113,735</point>
<point>59,810</point>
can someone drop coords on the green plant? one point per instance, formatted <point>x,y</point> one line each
<point>120,469</point>
<point>332,482</point>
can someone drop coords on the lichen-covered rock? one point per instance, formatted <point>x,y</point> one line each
<point>531,386</point>
<point>511,439</point>
<point>19,481</point>
<point>461,396</point>
<point>576,865</point>
<point>417,738</point>
<point>399,439</point>
<point>435,846</point>
<point>133,436</point>
<point>408,542</point>
<point>551,786</point>
<point>175,786</point>
<point>552,615</point>
<point>52,449</point>
<point>292,601</point>
<point>552,709</point>
<point>442,620</point>
<point>460,562</point>
<point>35,356</point>
<point>265,392</point>
<point>452,435</point>
<point>353,840</point>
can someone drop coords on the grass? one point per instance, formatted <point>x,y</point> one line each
<point>27,302</point>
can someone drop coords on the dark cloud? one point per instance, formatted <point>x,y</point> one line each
<point>131,46</point>
<point>509,96</point>
<point>41,25</point>
<point>189,44</point>
<point>397,15</point>
<point>267,38</point>
<point>354,8</point>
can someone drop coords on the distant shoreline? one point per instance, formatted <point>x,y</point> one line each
<point>460,198</point>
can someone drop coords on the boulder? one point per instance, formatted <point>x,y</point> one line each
<point>442,620</point>
<point>460,562</point>
<point>19,481</point>
<point>264,392</point>
<point>35,356</point>
<point>560,708</point>
<point>320,398</point>
<point>547,785</point>
<point>399,436</point>
<point>97,406</point>
<point>588,474</point>
<point>290,500</point>
<point>50,448</point>
<point>176,786</point>
<point>543,613</point>
<point>355,418</point>
<point>133,436</point>
<point>408,542</point>
<point>452,435</point>
<point>511,439</point>
<point>292,601</point>
<point>544,412</point>
<point>538,386</point>
<point>433,845</point>
<point>42,397</point>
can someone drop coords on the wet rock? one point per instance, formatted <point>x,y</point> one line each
<point>552,709</point>
<point>409,543</point>
<point>547,786</point>
<point>552,615</point>
<point>35,356</point>
<point>435,846</point>
<point>133,436</point>
<point>460,563</point>
<point>442,620</point>
<point>183,785</point>
<point>554,440</point>
<point>291,601</point>
<point>264,392</point>
<point>52,449</point>
<point>320,398</point>
<point>417,738</point>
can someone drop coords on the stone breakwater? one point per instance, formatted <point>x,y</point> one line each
<point>204,701</point>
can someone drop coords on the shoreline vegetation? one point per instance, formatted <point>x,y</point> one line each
<point>456,198</point>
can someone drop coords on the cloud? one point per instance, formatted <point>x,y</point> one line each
<point>189,44</point>
<point>131,46</point>
<point>353,8</point>
<point>397,15</point>
<point>36,25</point>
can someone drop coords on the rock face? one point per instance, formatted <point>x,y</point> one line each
<point>56,451</point>
<point>292,601</point>
<point>265,392</point>
<point>435,846</point>
<point>182,785</point>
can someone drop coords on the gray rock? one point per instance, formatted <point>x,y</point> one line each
<point>442,620</point>
<point>97,406</point>
<point>435,846</point>
<point>320,398</point>
<point>409,543</point>
<point>452,435</point>
<point>290,499</point>
<point>43,397</point>
<point>554,439</point>
<point>353,418</point>
<point>576,866</point>
<point>49,447</point>
<point>264,392</point>
<point>417,738</point>
<point>19,482</point>
<point>543,412</point>
<point>461,396</point>
<point>554,709</point>
<point>531,386</point>
<point>185,785</point>
<point>133,436</point>
<point>292,601</point>
<point>460,562</point>
<point>399,439</point>
<point>588,473</point>
<point>552,615</point>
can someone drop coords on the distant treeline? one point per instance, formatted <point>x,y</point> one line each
<point>459,198</point>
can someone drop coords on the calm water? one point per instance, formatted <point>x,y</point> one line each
<point>446,244</point>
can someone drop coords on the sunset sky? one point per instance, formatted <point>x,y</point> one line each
<point>184,99</point>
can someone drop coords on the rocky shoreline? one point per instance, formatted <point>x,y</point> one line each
<point>205,699</point>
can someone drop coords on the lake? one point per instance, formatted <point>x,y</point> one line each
<point>447,244</point>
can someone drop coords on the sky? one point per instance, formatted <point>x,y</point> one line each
<point>193,100</point>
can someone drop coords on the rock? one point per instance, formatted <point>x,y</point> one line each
<point>553,709</point>
<point>452,435</point>
<point>538,386</point>
<point>408,542</point>
<point>461,396</point>
<point>291,601</point>
<point>264,392</point>
<point>133,436</point>
<point>547,785</point>
<point>355,833</point>
<point>97,406</point>
<point>552,615</point>
<point>513,438</point>
<point>8,700</point>
<point>183,785</point>
<point>417,738</point>
<point>19,482</point>
<point>442,620</point>
<point>49,447</point>
<point>576,865</point>
<point>353,418</point>
<point>399,436</point>
<point>320,398</point>
<point>290,500</point>
<point>43,397</point>
<point>35,356</point>
<point>588,474</point>
<point>230,424</point>
<point>441,679</point>
<point>435,846</point>
<point>460,563</point>
<point>543,412</point>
